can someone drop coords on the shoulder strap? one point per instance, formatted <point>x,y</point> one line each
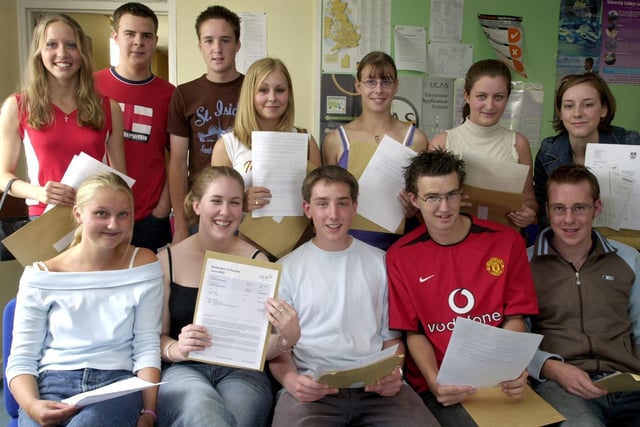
<point>170,264</point>
<point>343,137</point>
<point>7,188</point>
<point>255,253</point>
<point>408,138</point>
<point>133,256</point>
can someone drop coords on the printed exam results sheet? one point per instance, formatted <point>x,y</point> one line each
<point>230,305</point>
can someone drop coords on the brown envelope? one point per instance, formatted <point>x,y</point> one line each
<point>619,382</point>
<point>364,375</point>
<point>34,242</point>
<point>490,407</point>
<point>492,205</point>
<point>629,237</point>
<point>276,238</point>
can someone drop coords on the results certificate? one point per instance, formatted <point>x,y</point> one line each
<point>230,305</point>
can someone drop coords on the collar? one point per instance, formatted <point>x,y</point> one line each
<point>543,247</point>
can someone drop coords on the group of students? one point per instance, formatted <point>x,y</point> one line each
<point>105,309</point>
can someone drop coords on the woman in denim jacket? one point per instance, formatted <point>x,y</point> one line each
<point>585,108</point>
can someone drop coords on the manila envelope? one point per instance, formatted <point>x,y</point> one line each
<point>619,382</point>
<point>277,238</point>
<point>360,154</point>
<point>490,407</point>
<point>490,204</point>
<point>37,241</point>
<point>629,237</point>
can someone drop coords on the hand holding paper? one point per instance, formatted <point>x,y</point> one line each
<point>111,391</point>
<point>483,356</point>
<point>363,373</point>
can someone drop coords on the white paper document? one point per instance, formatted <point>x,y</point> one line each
<point>625,161</point>
<point>381,182</point>
<point>411,48</point>
<point>231,306</point>
<point>111,391</point>
<point>615,193</point>
<point>280,164</point>
<point>82,166</point>
<point>480,355</point>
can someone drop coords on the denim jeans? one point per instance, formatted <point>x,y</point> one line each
<point>58,385</point>
<point>614,409</point>
<point>198,394</point>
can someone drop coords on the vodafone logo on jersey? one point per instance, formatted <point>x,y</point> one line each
<point>461,301</point>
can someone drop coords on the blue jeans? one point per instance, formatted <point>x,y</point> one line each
<point>58,385</point>
<point>614,409</point>
<point>152,233</point>
<point>199,394</point>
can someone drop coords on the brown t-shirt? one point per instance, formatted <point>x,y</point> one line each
<point>202,111</point>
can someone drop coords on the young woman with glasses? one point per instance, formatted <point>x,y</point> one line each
<point>376,83</point>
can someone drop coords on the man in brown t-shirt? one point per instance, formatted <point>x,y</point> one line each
<point>203,109</point>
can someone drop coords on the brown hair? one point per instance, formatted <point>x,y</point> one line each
<point>382,66</point>
<point>219,12</point>
<point>606,99</point>
<point>135,9</point>
<point>438,162</point>
<point>331,174</point>
<point>199,187</point>
<point>486,67</point>
<point>574,174</point>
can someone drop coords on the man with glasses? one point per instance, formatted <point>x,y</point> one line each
<point>454,265</point>
<point>589,307</point>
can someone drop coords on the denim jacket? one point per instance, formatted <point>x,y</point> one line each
<point>555,151</point>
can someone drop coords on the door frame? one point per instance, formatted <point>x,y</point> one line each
<point>27,8</point>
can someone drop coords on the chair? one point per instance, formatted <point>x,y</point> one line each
<point>7,336</point>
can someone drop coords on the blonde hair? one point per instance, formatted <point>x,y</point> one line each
<point>199,187</point>
<point>246,120</point>
<point>37,103</point>
<point>88,189</point>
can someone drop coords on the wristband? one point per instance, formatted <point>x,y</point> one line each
<point>150,412</point>
<point>167,351</point>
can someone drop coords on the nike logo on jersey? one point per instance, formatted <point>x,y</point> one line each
<point>424,279</point>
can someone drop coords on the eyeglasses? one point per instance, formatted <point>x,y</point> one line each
<point>435,199</point>
<point>579,209</point>
<point>373,83</point>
